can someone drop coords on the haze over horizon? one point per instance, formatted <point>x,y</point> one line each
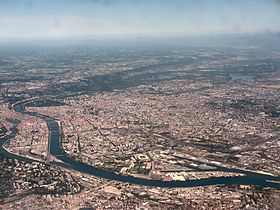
<point>99,18</point>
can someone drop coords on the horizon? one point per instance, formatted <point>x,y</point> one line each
<point>233,40</point>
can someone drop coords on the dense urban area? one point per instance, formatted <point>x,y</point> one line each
<point>169,113</point>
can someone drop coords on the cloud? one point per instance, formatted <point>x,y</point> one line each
<point>50,26</point>
<point>122,17</point>
<point>22,27</point>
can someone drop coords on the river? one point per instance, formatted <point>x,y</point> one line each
<point>250,178</point>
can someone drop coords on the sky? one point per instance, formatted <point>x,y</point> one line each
<point>102,18</point>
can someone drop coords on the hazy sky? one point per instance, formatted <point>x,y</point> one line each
<point>55,18</point>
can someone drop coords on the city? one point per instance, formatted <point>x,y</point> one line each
<point>195,121</point>
<point>139,104</point>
